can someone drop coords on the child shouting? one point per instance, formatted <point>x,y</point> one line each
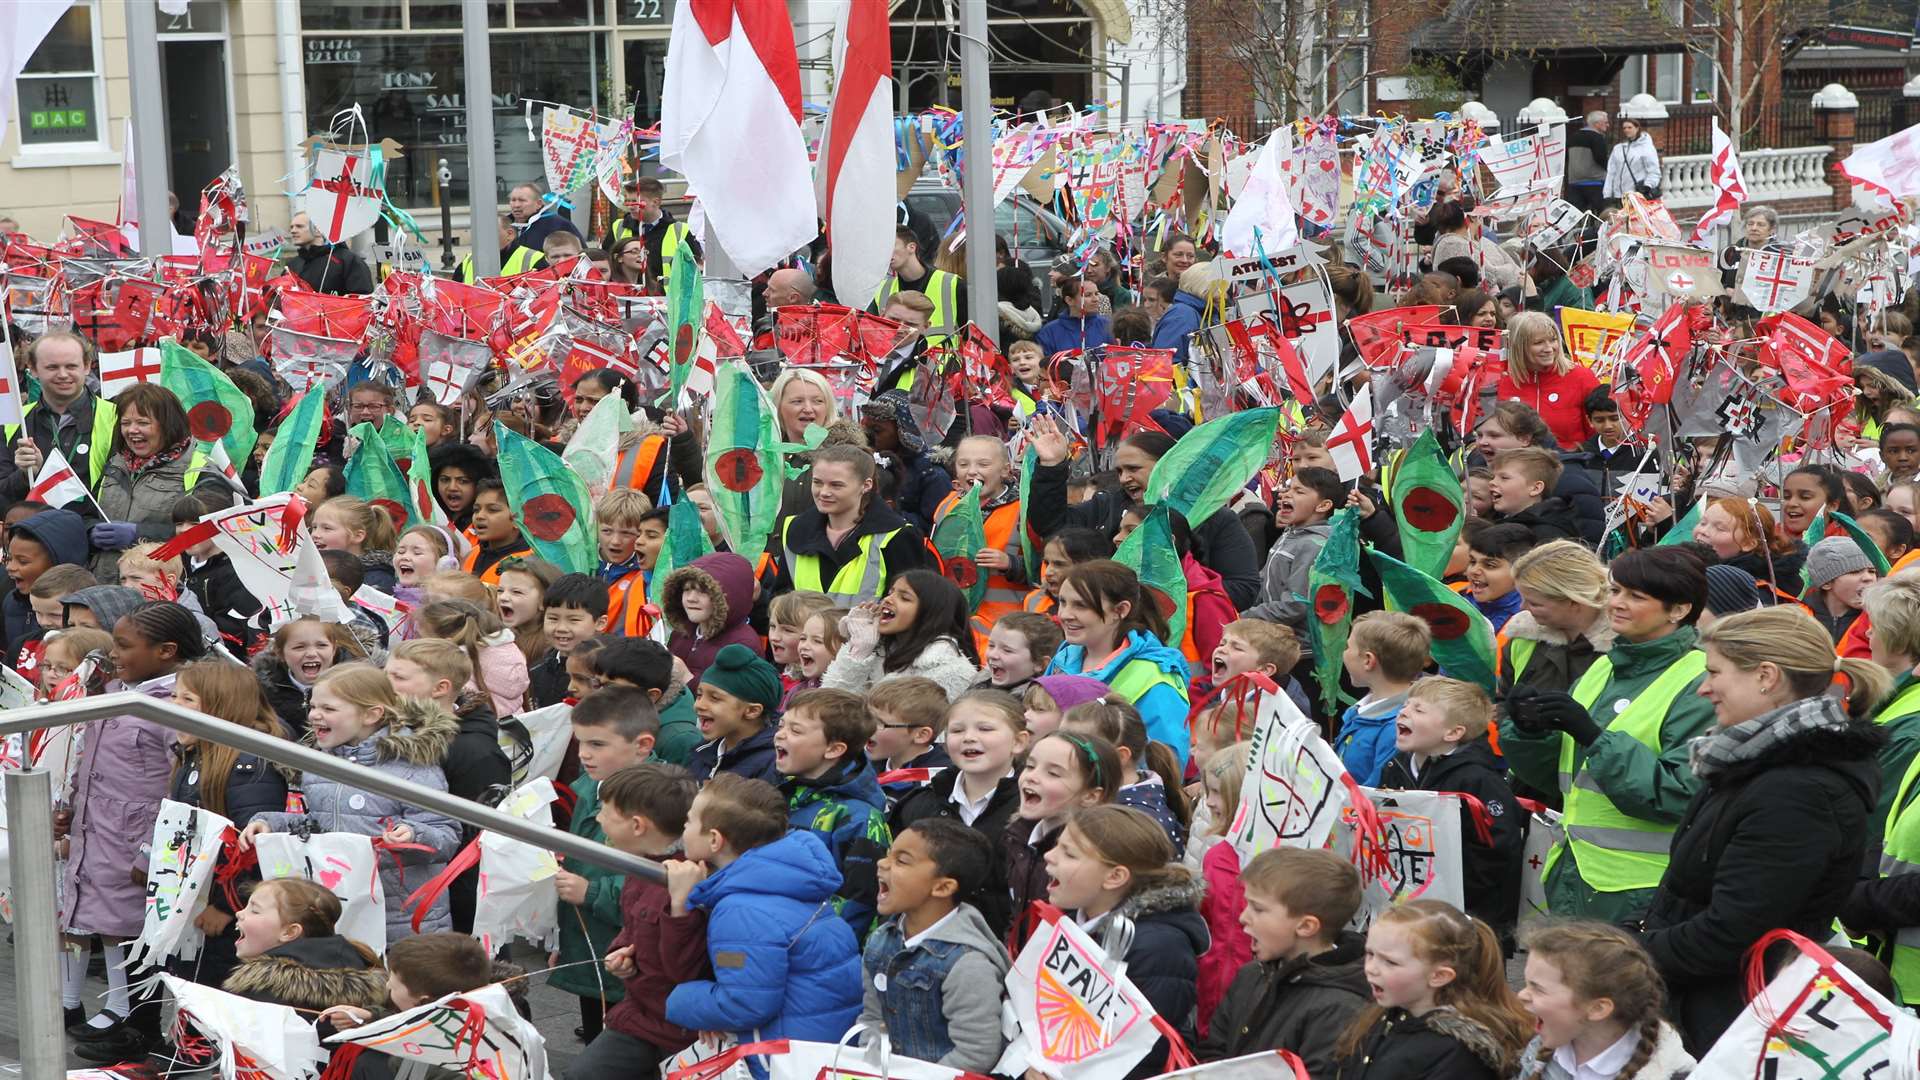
<point>734,705</point>
<point>819,749</point>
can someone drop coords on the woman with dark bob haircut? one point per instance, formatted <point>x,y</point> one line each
<point>153,450</point>
<point>1615,746</point>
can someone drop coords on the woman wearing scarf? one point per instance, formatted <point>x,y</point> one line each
<point>1775,835</point>
<point>147,475</point>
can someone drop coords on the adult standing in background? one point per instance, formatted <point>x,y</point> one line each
<point>1634,164</point>
<point>1587,154</point>
<point>538,219</point>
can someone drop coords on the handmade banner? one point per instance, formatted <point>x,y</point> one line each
<point>346,865</point>
<point>793,1059</point>
<point>1591,335</point>
<point>1542,835</point>
<point>1414,854</point>
<point>517,896</point>
<point>1079,1018</point>
<point>254,1039</point>
<point>1775,281</point>
<point>478,1033</point>
<point>1684,272</point>
<point>264,541</point>
<point>343,199</point>
<point>1815,1020</point>
<point>1295,788</point>
<point>181,856</point>
<point>548,730</point>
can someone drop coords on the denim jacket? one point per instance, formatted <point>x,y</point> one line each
<point>940,1000</point>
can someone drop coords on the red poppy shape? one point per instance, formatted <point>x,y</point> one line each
<point>209,420</point>
<point>1162,601</point>
<point>548,516</point>
<point>1428,510</point>
<point>394,510</point>
<point>963,571</point>
<point>683,344</point>
<point>1330,603</point>
<point>1447,623</point>
<point>738,469</point>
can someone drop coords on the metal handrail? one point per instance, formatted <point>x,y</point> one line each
<point>29,800</point>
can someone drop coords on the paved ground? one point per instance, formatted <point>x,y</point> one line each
<point>555,1013</point>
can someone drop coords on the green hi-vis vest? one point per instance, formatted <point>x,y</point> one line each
<point>1613,850</point>
<point>944,290</point>
<point>99,439</point>
<point>1900,854</point>
<point>858,581</point>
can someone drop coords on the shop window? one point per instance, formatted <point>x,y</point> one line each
<point>59,94</point>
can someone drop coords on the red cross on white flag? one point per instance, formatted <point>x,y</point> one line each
<point>56,485</point>
<point>1351,442</point>
<point>1775,281</point>
<point>341,201</point>
<point>1730,188</point>
<point>120,370</point>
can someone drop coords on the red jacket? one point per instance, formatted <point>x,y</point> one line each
<point>1559,399</point>
<point>1209,610</point>
<point>667,951</point>
<point>1226,897</point>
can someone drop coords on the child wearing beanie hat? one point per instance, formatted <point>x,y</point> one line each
<point>1838,573</point>
<point>1730,590</point>
<point>734,706</point>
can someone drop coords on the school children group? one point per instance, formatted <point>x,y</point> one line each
<point>859,782</point>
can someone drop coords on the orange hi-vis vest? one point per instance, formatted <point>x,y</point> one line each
<point>627,613</point>
<point>492,576</point>
<point>637,461</point>
<point>1003,596</point>
<point>1037,602</point>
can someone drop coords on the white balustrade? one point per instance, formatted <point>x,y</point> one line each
<point>1797,172</point>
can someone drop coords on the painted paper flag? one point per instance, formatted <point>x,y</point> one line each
<point>1590,335</point>
<point>290,457</point>
<point>346,865</point>
<point>517,896</point>
<point>550,503</point>
<point>1462,637</point>
<point>744,471</point>
<point>1814,1020</point>
<point>372,475</point>
<point>1079,1017</point>
<point>252,1038</point>
<point>1295,788</point>
<point>185,846</point>
<point>1412,854</point>
<point>216,409</point>
<point>686,317</point>
<point>1212,462</point>
<point>686,541</point>
<point>958,536</point>
<point>1332,583</point>
<point>1427,505</point>
<point>1150,552</point>
<point>477,1033</point>
<point>570,146</point>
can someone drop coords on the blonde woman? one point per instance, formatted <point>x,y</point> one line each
<point>1775,834</point>
<point>1562,625</point>
<point>1541,375</point>
<point>802,397</point>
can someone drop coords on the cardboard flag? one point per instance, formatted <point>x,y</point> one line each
<point>478,1033</point>
<point>343,200</point>
<point>550,503</point>
<point>1212,462</point>
<point>686,541</point>
<point>1591,335</point>
<point>1682,272</point>
<point>1462,637</point>
<point>1814,1020</point>
<point>1332,583</point>
<point>372,475</point>
<point>185,845</point>
<point>290,456</point>
<point>254,1039</point>
<point>1413,853</point>
<point>1295,789</point>
<point>958,536</point>
<point>744,471</point>
<point>216,409</point>
<point>1149,550</point>
<point>346,864</point>
<point>1079,1017</point>
<point>56,484</point>
<point>1427,505</point>
<point>570,147</point>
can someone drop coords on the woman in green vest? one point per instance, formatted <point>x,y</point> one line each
<point>1615,747</point>
<point>1893,607</point>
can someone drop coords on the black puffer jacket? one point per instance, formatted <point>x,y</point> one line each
<point>1775,842</point>
<point>935,799</point>
<point>225,600</point>
<point>1492,871</point>
<point>288,698</point>
<point>1302,1005</point>
<point>1442,1045</point>
<point>1169,934</point>
<point>477,768</point>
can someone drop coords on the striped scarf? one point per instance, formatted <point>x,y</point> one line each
<point>1751,740</point>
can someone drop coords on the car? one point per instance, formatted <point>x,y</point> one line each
<point>1036,235</point>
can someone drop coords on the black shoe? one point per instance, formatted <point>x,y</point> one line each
<point>71,1018</point>
<point>82,1031</point>
<point>580,1033</point>
<point>122,1044</point>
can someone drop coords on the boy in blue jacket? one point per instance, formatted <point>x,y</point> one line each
<point>1386,651</point>
<point>781,970</point>
<point>832,792</point>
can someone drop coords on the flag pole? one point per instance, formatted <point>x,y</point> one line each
<point>482,175</point>
<point>976,189</point>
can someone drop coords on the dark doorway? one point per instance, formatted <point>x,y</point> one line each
<point>193,76</point>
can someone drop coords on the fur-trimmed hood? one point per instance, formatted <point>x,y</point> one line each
<point>726,577</point>
<point>1173,896</point>
<point>1471,1034</point>
<point>1165,914</point>
<point>1523,626</point>
<point>1669,1061</point>
<point>312,973</point>
<point>419,734</point>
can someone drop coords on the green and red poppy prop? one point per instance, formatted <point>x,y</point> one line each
<point>1212,462</point>
<point>958,537</point>
<point>373,475</point>
<point>686,541</point>
<point>217,410</point>
<point>1332,583</point>
<point>1428,506</point>
<point>549,502</point>
<point>743,467</point>
<point>686,317</point>
<point>1462,637</point>
<point>290,457</point>
<point>1150,552</point>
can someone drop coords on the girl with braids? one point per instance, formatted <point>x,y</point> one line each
<point>499,668</point>
<point>1775,834</point>
<point>1116,634</point>
<point>1441,1008</point>
<point>1115,859</point>
<point>119,780</point>
<point>1597,998</point>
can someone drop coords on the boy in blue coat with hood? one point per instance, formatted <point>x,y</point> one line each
<point>1386,651</point>
<point>34,546</point>
<point>820,751</point>
<point>780,969</point>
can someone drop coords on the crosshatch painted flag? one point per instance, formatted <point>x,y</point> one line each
<point>549,502</point>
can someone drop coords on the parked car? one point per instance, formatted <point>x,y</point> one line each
<point>1036,235</point>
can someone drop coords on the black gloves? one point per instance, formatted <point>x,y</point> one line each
<point>1537,712</point>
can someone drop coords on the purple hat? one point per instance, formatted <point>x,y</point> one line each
<point>1070,690</point>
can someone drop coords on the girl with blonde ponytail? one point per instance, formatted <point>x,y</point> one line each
<point>1776,833</point>
<point>1597,997</point>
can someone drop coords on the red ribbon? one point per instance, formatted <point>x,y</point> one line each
<point>380,844</point>
<point>421,899</point>
<point>1477,815</point>
<point>1757,981</point>
<point>232,863</point>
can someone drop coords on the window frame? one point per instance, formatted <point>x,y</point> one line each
<point>1646,84</point>
<point>96,151</point>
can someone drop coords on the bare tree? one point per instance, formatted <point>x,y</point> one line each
<point>1299,56</point>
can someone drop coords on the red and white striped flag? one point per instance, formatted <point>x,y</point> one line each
<point>856,177</point>
<point>57,484</point>
<point>1730,188</point>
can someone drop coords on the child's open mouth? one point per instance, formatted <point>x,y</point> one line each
<point>779,753</point>
<point>997,672</point>
<point>970,753</point>
<point>1403,729</point>
<point>1219,671</point>
<point>310,670</point>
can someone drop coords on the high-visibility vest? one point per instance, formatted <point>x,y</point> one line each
<point>669,243</point>
<point>858,581</point>
<point>627,613</point>
<point>1900,854</point>
<point>637,461</point>
<point>492,576</point>
<point>519,261</point>
<point>1003,596</point>
<point>106,419</point>
<point>1037,602</point>
<point>1136,677</point>
<point>465,273</point>
<point>944,290</point>
<point>1614,851</point>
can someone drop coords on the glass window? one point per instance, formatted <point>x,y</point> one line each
<point>643,12</point>
<point>1656,75</point>
<point>59,92</point>
<point>201,17</point>
<point>350,14</point>
<point>1350,81</point>
<point>1701,87</point>
<point>445,14</point>
<point>553,13</point>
